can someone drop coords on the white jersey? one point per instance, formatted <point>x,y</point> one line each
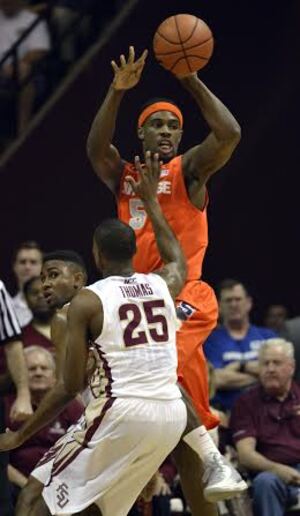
<point>137,345</point>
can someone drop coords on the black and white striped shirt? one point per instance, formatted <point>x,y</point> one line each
<point>9,325</point>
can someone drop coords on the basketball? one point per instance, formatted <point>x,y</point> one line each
<point>183,44</point>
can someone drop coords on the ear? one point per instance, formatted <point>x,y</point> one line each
<point>79,280</point>
<point>250,303</point>
<point>140,133</point>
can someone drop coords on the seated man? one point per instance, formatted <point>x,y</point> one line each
<point>232,348</point>
<point>14,20</point>
<point>26,264</point>
<point>41,370</point>
<point>265,423</point>
<point>37,332</point>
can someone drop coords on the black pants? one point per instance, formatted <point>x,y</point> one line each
<point>6,508</point>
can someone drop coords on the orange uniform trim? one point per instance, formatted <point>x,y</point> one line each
<point>160,106</point>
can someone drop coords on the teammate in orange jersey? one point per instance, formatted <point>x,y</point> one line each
<point>183,196</point>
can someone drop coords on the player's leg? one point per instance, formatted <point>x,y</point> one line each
<point>40,508</point>
<point>155,429</point>
<point>220,480</point>
<point>28,497</point>
<point>190,470</point>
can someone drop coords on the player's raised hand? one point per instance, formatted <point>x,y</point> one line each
<point>128,73</point>
<point>146,185</point>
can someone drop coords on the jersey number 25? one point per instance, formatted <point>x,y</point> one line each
<point>158,326</point>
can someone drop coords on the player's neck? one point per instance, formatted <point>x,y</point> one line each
<point>114,269</point>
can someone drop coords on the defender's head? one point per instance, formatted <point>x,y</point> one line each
<point>160,127</point>
<point>63,275</point>
<point>114,243</point>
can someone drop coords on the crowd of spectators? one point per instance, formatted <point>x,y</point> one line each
<point>253,389</point>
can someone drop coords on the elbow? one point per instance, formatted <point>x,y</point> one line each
<point>90,151</point>
<point>235,134</point>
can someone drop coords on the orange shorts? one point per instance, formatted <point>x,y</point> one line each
<point>197,308</point>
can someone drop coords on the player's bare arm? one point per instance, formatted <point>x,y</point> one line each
<point>174,271</point>
<point>58,337</point>
<point>81,312</point>
<point>104,157</point>
<point>203,160</point>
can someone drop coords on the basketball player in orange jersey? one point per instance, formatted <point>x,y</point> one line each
<point>183,197</point>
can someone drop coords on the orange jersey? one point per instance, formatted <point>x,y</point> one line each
<point>188,222</point>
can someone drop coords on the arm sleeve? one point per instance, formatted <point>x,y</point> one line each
<point>242,422</point>
<point>9,325</point>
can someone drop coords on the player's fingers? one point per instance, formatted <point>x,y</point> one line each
<point>133,183</point>
<point>114,66</point>
<point>142,170</point>
<point>148,161</point>
<point>137,163</point>
<point>122,60</point>
<point>131,55</point>
<point>143,57</point>
<point>156,165</point>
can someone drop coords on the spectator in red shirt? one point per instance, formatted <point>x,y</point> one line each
<point>41,371</point>
<point>38,331</point>
<point>265,424</point>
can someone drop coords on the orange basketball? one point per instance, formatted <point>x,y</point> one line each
<point>183,44</point>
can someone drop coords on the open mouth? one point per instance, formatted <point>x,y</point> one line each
<point>165,146</point>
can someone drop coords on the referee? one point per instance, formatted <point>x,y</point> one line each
<point>10,339</point>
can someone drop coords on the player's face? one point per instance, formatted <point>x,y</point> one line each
<point>28,264</point>
<point>36,300</point>
<point>276,370</point>
<point>41,375</point>
<point>161,133</point>
<point>60,282</point>
<point>235,304</point>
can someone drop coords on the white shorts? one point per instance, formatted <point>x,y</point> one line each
<point>110,461</point>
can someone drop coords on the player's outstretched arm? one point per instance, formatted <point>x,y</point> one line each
<point>174,271</point>
<point>81,311</point>
<point>104,157</point>
<point>201,161</point>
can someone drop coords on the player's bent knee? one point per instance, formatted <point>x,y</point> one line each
<point>28,496</point>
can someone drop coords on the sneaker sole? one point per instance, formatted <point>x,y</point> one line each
<point>215,494</point>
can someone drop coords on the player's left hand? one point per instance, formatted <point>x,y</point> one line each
<point>21,409</point>
<point>10,440</point>
<point>146,186</point>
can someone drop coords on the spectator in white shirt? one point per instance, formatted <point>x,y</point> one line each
<point>14,20</point>
<point>27,263</point>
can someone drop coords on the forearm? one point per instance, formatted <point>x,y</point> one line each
<point>16,477</point>
<point>17,367</point>
<point>221,122</point>
<point>226,379</point>
<point>50,407</point>
<point>255,461</point>
<point>168,246</point>
<point>103,127</point>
